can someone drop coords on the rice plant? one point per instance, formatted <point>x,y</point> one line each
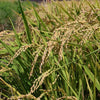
<point>57,54</point>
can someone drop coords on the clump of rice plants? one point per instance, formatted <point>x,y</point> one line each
<point>57,56</point>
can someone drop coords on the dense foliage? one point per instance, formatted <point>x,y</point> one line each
<point>9,9</point>
<point>6,12</point>
<point>56,57</point>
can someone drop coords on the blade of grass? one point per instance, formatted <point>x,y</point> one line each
<point>64,76</point>
<point>26,24</point>
<point>7,48</point>
<point>90,91</point>
<point>40,20</point>
<point>90,74</point>
<point>10,86</point>
<point>80,88</point>
<point>16,35</point>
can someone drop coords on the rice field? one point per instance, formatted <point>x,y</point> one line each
<point>55,55</point>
